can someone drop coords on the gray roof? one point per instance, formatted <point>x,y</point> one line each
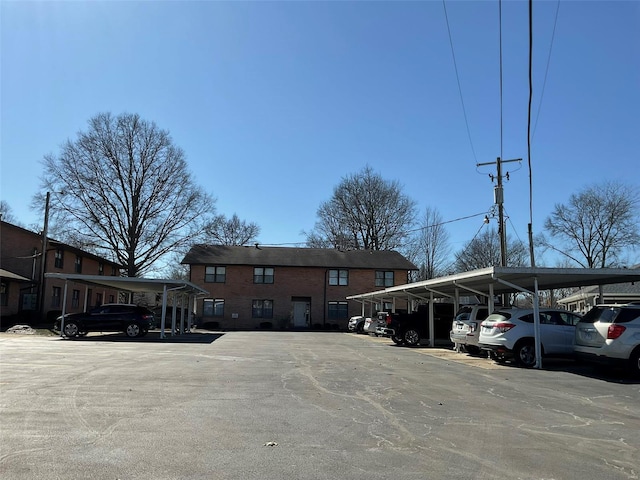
<point>295,257</point>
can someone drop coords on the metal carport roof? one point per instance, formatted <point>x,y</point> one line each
<point>135,285</point>
<point>494,281</point>
<point>505,280</point>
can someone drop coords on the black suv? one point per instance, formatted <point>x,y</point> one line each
<point>410,328</point>
<point>133,320</point>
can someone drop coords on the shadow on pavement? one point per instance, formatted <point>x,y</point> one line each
<point>151,337</point>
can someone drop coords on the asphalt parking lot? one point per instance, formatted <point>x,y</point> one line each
<point>303,405</point>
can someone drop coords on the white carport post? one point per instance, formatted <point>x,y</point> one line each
<point>191,301</point>
<point>64,307</point>
<point>173,314</point>
<point>536,323</point>
<point>164,310</point>
<point>183,305</point>
<point>432,323</point>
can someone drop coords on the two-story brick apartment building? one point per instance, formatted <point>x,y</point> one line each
<point>278,287</point>
<point>21,277</point>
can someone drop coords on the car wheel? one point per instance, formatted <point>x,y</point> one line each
<point>525,354</point>
<point>634,363</point>
<point>71,330</point>
<point>411,337</point>
<point>397,340</point>
<point>133,330</point>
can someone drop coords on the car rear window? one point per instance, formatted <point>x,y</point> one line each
<point>498,317</point>
<point>611,315</point>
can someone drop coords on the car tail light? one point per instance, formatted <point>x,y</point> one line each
<point>503,327</point>
<point>615,331</point>
<point>388,319</point>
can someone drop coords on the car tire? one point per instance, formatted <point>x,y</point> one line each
<point>133,330</point>
<point>634,363</point>
<point>71,329</point>
<point>525,354</point>
<point>411,337</point>
<point>397,340</point>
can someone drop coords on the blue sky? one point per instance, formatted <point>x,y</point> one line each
<point>275,102</point>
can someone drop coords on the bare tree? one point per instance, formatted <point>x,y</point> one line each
<point>430,248</point>
<point>232,231</point>
<point>484,251</point>
<point>127,192</point>
<point>6,213</point>
<point>597,225</point>
<point>365,212</point>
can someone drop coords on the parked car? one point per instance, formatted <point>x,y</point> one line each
<point>610,334</point>
<point>356,324</point>
<point>133,320</point>
<point>371,324</point>
<point>412,328</point>
<point>509,334</point>
<point>465,328</point>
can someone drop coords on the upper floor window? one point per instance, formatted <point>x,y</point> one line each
<point>338,277</point>
<point>262,309</point>
<point>215,274</point>
<point>101,269</point>
<point>59,258</point>
<point>384,279</point>
<point>78,264</point>
<point>263,275</point>
<point>113,270</point>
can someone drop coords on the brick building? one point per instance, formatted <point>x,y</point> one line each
<point>22,300</point>
<point>277,287</point>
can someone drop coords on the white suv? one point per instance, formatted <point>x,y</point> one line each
<point>509,333</point>
<point>610,334</point>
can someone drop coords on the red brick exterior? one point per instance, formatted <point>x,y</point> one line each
<point>290,284</point>
<point>20,254</point>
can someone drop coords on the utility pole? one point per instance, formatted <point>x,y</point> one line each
<point>498,196</point>
<point>43,257</point>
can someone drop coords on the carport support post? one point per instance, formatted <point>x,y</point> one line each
<point>64,307</point>
<point>164,310</point>
<point>432,323</point>
<point>173,315</point>
<point>536,323</point>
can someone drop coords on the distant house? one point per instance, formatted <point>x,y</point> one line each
<point>23,295</point>
<point>586,297</point>
<point>277,287</point>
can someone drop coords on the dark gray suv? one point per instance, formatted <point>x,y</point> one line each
<point>133,320</point>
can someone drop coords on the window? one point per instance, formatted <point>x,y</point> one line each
<point>78,264</point>
<point>338,277</point>
<point>213,307</point>
<point>75,298</point>
<point>338,311</point>
<point>262,309</point>
<point>98,299</point>
<point>215,274</point>
<point>113,270</point>
<point>4,294</point>
<point>55,297</point>
<point>384,279</point>
<point>59,258</point>
<point>263,275</point>
<point>111,299</point>
<point>101,269</point>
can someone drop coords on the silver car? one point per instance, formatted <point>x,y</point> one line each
<point>610,334</point>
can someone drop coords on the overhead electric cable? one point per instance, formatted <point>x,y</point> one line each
<point>533,263</point>
<point>500,28</point>
<point>544,83</point>
<point>455,65</point>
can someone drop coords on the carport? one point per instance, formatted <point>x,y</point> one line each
<point>493,281</point>
<point>183,292</point>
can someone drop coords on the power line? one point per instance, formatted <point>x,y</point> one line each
<point>455,65</point>
<point>501,114</point>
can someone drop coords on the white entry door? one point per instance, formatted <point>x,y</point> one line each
<point>300,314</point>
